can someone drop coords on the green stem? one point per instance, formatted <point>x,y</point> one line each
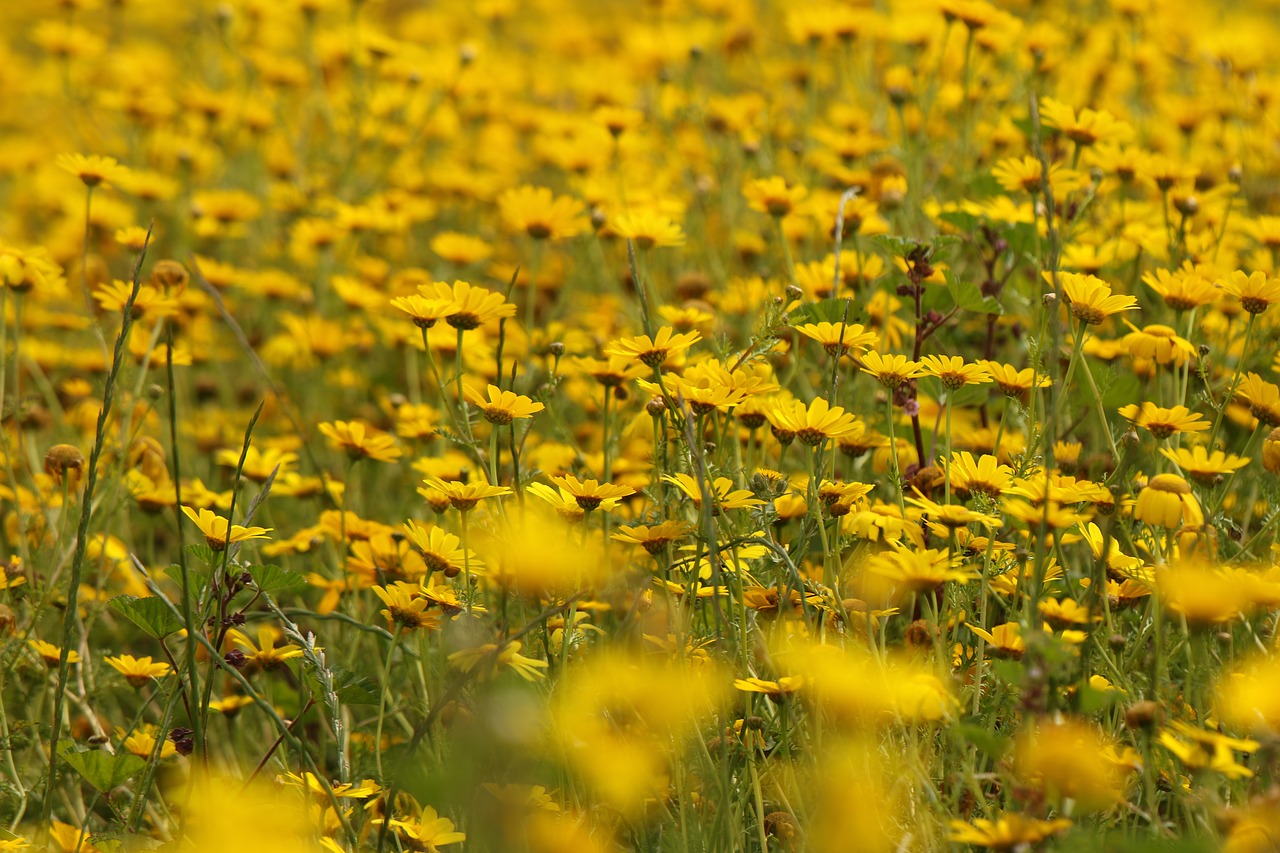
<point>382,698</point>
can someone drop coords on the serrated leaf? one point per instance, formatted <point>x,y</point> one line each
<point>354,689</point>
<point>968,296</point>
<point>150,614</point>
<point>203,553</point>
<point>199,574</point>
<point>101,769</point>
<point>273,579</point>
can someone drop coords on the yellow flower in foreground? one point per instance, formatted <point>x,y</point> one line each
<point>1162,422</point>
<point>214,528</point>
<point>1200,749</point>
<point>953,372</point>
<point>839,338</point>
<point>360,441</point>
<point>590,493</point>
<point>427,831</point>
<point>1167,502</point>
<point>891,370</point>
<point>502,407</point>
<point>723,494</point>
<point>1204,467</point>
<point>814,423</point>
<point>1090,299</point>
<point>530,669</point>
<point>1256,291</point>
<point>138,671</point>
<point>653,351</point>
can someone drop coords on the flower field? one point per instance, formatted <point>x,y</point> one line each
<point>574,425</point>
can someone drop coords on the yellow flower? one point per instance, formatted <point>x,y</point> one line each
<point>1002,640</point>
<point>649,228</point>
<point>1200,749</point>
<point>1182,289</point>
<point>1161,422</point>
<point>773,196</point>
<point>919,571</point>
<point>264,655</point>
<point>540,213</point>
<point>426,831</point>
<point>1205,468</point>
<point>93,169</point>
<point>775,690</point>
<point>1007,831</point>
<point>502,407</point>
<point>891,370</point>
<point>1090,299</point>
<point>1013,382</point>
<point>653,351</point>
<point>984,475</point>
<point>1084,127</point>
<point>530,669</point>
<point>423,310</point>
<point>839,338</point>
<point>953,372</point>
<point>51,654</point>
<point>590,493</point>
<point>359,441</point>
<point>138,671</point>
<point>214,527</point>
<point>655,538</point>
<point>814,423</point>
<point>439,549</point>
<point>469,307</point>
<point>462,496</point>
<point>1159,343</point>
<point>1167,502</point>
<point>723,494</point>
<point>1256,291</point>
<point>405,607</point>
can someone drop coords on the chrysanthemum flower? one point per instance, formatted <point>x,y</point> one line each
<point>215,529</point>
<point>953,372</point>
<point>439,549</point>
<point>463,496</point>
<point>653,351</point>
<point>1182,289</point>
<point>502,407</point>
<point>405,608</point>
<point>920,570</point>
<point>649,228</point>
<point>653,538</point>
<point>773,196</point>
<point>1162,422</point>
<point>1256,291</point>
<point>1166,501</point>
<point>983,475</point>
<point>138,671</point>
<point>51,654</point>
<point>360,441</point>
<point>1084,127</point>
<point>891,370</point>
<point>1159,343</point>
<point>424,311</point>
<point>590,493</point>
<point>723,495</point>
<point>1009,831</point>
<point>1262,398</point>
<point>472,306</point>
<point>1202,466</point>
<point>814,423</point>
<point>1090,298</point>
<point>839,338</point>
<point>540,213</point>
<point>93,169</point>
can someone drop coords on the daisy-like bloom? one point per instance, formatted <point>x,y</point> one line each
<point>1256,291</point>
<point>460,249</point>
<point>1066,613</point>
<point>974,14</point>
<point>405,608</point>
<point>471,306</point>
<point>953,372</point>
<point>775,690</point>
<point>1201,749</point>
<point>723,495</point>
<point>138,671</point>
<point>1204,596</point>
<point>142,743</point>
<point>1204,467</point>
<point>360,441</point>
<point>815,423</point>
<point>948,517</point>
<point>530,669</point>
<point>69,839</point>
<point>610,372</point>
<point>215,529</point>
<point>462,496</point>
<point>229,706</point>
<point>591,493</point>
<point>983,475</point>
<point>649,228</point>
<point>653,538</point>
<point>259,464</point>
<point>51,654</point>
<point>773,196</point>
<point>890,370</point>
<point>919,570</point>
<point>502,407</point>
<point>318,791</point>
<point>264,655</point>
<point>1090,298</point>
<point>540,213</point>
<point>1262,398</point>
<point>1271,451</point>
<point>1162,422</point>
<point>1007,831</point>
<point>565,504</point>
<point>24,270</point>
<point>19,843</point>
<point>150,301</point>
<point>1167,502</point>
<point>1004,641</point>
<point>1013,382</point>
<point>1182,289</point>
<point>439,548</point>
<point>1085,127</point>
<point>1159,343</point>
<point>652,351</point>
<point>427,831</point>
<point>1025,174</point>
<point>425,311</point>
<point>93,169</point>
<point>839,338</point>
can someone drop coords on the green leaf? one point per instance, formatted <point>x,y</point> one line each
<point>353,688</point>
<point>199,574</point>
<point>1091,700</point>
<point>150,614</point>
<point>203,553</point>
<point>1009,671</point>
<point>968,296</point>
<point>987,741</point>
<point>273,579</point>
<point>101,769</point>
